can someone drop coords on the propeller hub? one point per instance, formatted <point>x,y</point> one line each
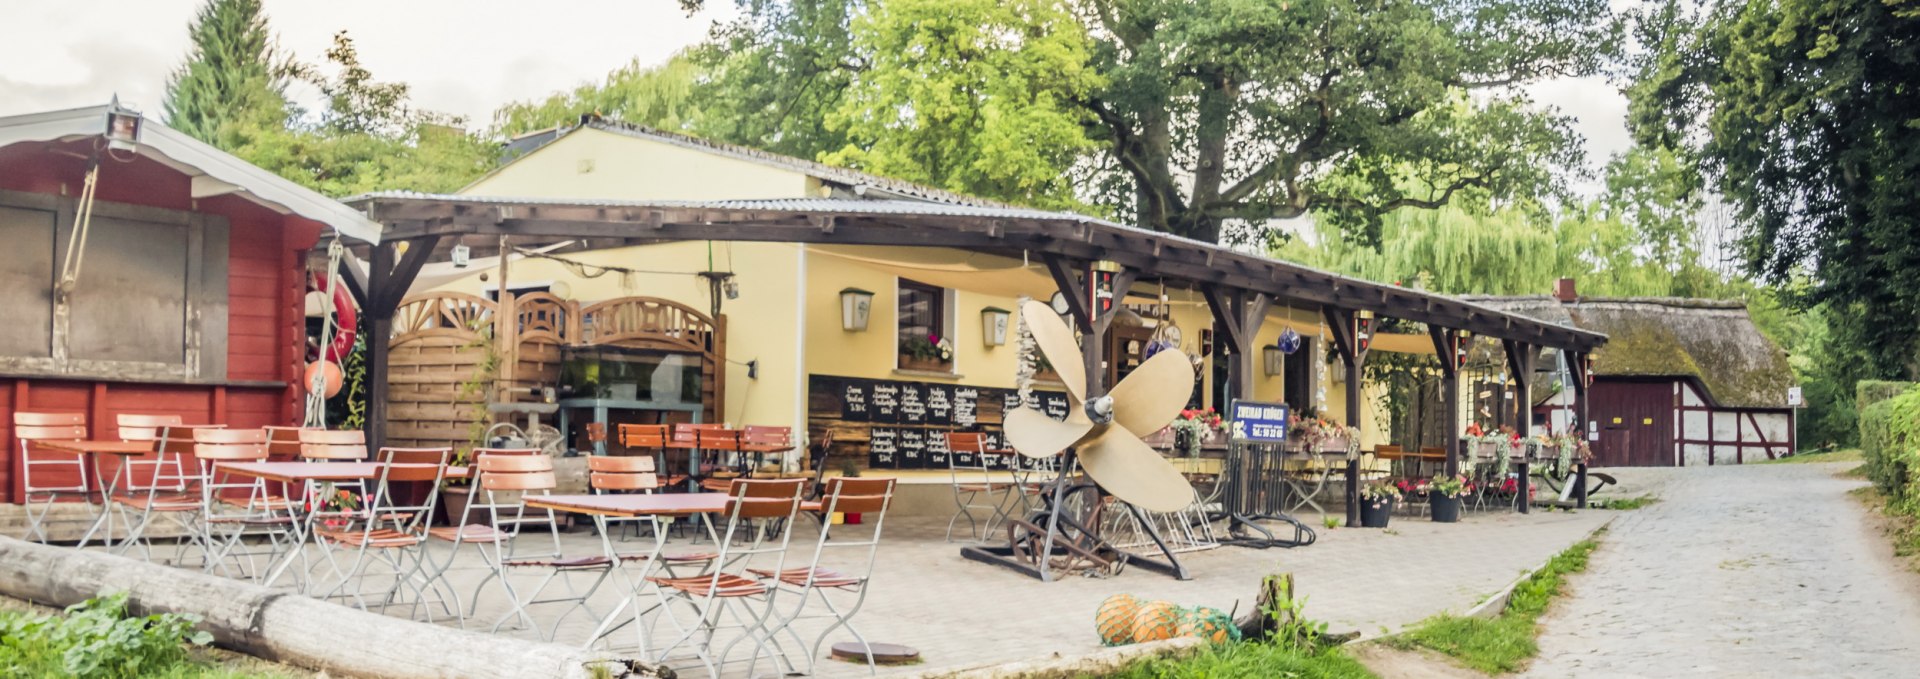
<point>1100,410</point>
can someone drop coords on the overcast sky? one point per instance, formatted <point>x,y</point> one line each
<point>463,57</point>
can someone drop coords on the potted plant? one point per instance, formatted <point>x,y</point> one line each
<point>1377,499</point>
<point>930,353</point>
<point>1443,496</point>
<point>1193,428</point>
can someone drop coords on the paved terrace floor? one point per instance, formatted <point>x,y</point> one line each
<point>960,613</point>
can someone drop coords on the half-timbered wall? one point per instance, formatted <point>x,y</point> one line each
<point>1706,435</point>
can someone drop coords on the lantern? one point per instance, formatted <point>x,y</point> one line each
<point>993,325</point>
<point>855,306</point>
<point>1276,359</point>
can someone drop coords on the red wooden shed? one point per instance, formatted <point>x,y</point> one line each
<point>189,291</point>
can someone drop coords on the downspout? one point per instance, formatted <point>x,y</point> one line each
<point>799,362</point>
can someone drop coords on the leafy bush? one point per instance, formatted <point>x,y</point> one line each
<point>1869,392</point>
<point>1250,659</point>
<point>96,640</point>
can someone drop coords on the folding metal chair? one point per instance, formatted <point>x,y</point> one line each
<point>870,497</point>
<point>974,486</point>
<point>232,506</point>
<point>44,474</point>
<point>501,479</point>
<point>143,474</point>
<point>391,529</point>
<point>323,445</point>
<point>651,440</point>
<point>765,437</point>
<point>172,491</point>
<point>718,441</point>
<point>761,513</point>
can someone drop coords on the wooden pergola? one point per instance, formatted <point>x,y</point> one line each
<point>1239,288</point>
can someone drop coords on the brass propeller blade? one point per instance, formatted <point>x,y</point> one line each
<point>1153,394</point>
<point>1057,344</point>
<point>1033,434</point>
<point>1129,469</point>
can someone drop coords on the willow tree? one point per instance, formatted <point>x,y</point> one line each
<point>660,96</point>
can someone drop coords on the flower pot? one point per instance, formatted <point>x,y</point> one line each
<point>1374,513</point>
<point>932,365</point>
<point>853,518</point>
<point>1334,445</point>
<point>1446,508</point>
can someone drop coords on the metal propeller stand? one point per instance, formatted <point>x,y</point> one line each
<point>1031,547</point>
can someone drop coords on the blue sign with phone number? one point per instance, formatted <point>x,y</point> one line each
<point>1257,421</point>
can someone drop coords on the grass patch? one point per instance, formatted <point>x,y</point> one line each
<point>1814,457</point>
<point>96,639</point>
<point>1250,659</point>
<point>1506,642</point>
<point>1626,503</point>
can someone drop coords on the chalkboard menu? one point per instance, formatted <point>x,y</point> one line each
<point>913,448</point>
<point>883,449</point>
<point>966,406</point>
<point>884,402</point>
<point>903,425</point>
<point>913,403</point>
<point>939,404</point>
<point>937,451</point>
<point>853,400</point>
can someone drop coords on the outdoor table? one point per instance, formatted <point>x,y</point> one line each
<point>108,484</point>
<point>300,473</point>
<point>1416,456</point>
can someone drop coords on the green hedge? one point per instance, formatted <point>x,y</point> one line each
<point>1869,392</point>
<point>1889,433</point>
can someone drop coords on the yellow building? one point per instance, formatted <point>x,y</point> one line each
<point>783,301</point>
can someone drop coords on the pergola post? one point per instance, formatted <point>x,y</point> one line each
<point>1582,380</point>
<point>1352,337</point>
<point>1520,361</point>
<point>1449,347</point>
<point>1239,315</point>
<point>387,284</point>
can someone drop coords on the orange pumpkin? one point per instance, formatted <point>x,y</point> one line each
<point>1114,619</point>
<point>1156,620</point>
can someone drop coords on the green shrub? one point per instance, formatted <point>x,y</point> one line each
<point>1869,392</point>
<point>1249,659</point>
<point>1890,446</point>
<point>96,640</point>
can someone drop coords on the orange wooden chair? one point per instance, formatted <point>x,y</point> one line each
<point>717,442</point>
<point>390,529</point>
<point>172,490</point>
<point>50,474</point>
<point>870,497</point>
<point>651,440</point>
<point>760,518</point>
<point>495,513</point>
<point>974,486</point>
<point>233,506</point>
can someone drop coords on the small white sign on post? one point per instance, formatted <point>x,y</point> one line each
<point>1794,397</point>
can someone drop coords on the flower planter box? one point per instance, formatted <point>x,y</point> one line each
<point>932,365</point>
<point>1338,445</point>
<point>1375,513</point>
<point>1487,450</point>
<point>1446,509</point>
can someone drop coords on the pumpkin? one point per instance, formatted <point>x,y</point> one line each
<point>1210,624</point>
<point>1114,619</point>
<point>1155,621</point>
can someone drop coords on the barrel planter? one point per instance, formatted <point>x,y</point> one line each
<point>1446,509</point>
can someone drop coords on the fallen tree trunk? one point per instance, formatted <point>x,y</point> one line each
<point>289,628</point>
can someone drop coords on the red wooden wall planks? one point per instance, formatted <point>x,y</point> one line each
<point>266,286</point>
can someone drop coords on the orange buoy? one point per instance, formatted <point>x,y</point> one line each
<point>332,377</point>
<point>1114,619</point>
<point>1156,620</point>
<point>1208,623</point>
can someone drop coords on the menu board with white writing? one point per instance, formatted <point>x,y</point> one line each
<point>883,403</point>
<point>937,451</point>
<point>939,404</point>
<point>966,406</point>
<point>883,449</point>
<point>913,448</point>
<point>913,403</point>
<point>853,400</point>
<point>1054,405</point>
<point>992,441</point>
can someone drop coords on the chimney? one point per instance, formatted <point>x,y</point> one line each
<point>1563,290</point>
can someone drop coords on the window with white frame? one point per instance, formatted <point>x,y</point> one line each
<point>925,322</point>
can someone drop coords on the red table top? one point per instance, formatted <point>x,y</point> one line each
<point>293,472</point>
<point>658,504</point>
<point>113,447</point>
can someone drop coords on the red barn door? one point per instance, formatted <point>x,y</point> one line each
<point>1636,423</point>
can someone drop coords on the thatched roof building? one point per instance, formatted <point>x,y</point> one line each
<point>1713,342</point>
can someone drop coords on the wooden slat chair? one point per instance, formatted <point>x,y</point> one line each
<point>50,474</point>
<point>233,506</point>
<point>760,518</point>
<point>766,436</point>
<point>172,492</point>
<point>870,497</point>
<point>714,441</point>
<point>143,474</point>
<point>491,523</point>
<point>651,440</point>
<point>327,445</point>
<point>974,487</point>
<point>686,436</point>
<point>392,530</point>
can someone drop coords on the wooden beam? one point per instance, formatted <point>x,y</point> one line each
<point>1071,286</point>
<point>394,288</point>
<point>1227,314</point>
